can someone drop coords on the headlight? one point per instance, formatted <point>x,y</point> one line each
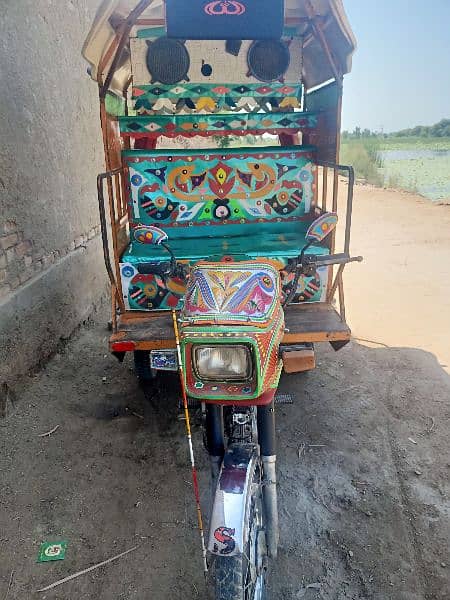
<point>223,363</point>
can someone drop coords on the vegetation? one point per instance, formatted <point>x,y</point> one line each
<point>363,154</point>
<point>416,159</point>
<point>438,130</point>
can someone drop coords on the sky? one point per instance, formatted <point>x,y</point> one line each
<point>401,68</point>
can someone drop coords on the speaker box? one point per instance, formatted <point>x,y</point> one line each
<point>171,61</point>
<point>225,19</point>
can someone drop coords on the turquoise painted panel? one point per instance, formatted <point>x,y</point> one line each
<point>152,292</point>
<point>215,98</point>
<point>179,192</point>
<point>224,124</point>
<point>274,245</point>
<point>237,204</point>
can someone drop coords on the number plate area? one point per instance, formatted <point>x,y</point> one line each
<point>164,360</point>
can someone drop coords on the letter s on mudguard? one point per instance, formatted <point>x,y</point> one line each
<point>227,532</point>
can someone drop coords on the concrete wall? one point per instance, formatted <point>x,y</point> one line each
<point>51,270</point>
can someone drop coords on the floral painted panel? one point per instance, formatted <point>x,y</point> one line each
<point>222,124</point>
<point>179,190</point>
<point>232,292</point>
<point>153,292</point>
<point>214,98</point>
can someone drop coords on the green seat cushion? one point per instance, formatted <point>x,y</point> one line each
<point>270,245</point>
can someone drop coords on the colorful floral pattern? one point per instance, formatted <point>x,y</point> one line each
<point>224,124</point>
<point>214,98</point>
<point>152,292</point>
<point>239,188</point>
<point>232,292</point>
<point>210,188</point>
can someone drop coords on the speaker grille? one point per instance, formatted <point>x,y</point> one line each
<point>268,60</point>
<point>167,61</point>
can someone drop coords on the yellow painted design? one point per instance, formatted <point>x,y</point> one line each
<point>221,175</point>
<point>205,103</point>
<point>290,102</point>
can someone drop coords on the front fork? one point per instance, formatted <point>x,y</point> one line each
<point>220,470</point>
<point>214,440</point>
<point>267,444</point>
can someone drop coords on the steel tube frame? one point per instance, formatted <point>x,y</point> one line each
<point>338,281</point>
<point>103,226</point>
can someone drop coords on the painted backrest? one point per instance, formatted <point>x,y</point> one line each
<point>188,192</point>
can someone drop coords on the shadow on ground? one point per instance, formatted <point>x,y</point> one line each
<point>363,471</point>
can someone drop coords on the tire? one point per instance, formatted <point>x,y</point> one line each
<point>142,368</point>
<point>232,572</point>
<point>229,578</point>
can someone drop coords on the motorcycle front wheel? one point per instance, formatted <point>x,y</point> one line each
<point>243,577</point>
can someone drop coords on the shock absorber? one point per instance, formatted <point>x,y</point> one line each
<point>214,440</point>
<point>267,444</point>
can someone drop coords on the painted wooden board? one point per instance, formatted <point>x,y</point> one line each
<point>224,66</point>
<point>306,323</point>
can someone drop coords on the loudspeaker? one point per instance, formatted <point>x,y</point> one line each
<point>209,62</point>
<point>168,61</point>
<point>225,19</point>
<point>268,60</point>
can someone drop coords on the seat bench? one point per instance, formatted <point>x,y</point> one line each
<point>282,245</point>
<point>244,203</point>
<point>143,291</point>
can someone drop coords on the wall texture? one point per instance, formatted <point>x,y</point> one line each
<point>51,271</point>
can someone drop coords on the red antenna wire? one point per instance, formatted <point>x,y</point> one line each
<point>191,448</point>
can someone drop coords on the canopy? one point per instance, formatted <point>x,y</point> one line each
<point>329,40</point>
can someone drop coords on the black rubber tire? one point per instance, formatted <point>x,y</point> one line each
<point>229,578</point>
<point>142,366</point>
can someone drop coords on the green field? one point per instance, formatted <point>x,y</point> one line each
<point>418,164</point>
<point>420,143</point>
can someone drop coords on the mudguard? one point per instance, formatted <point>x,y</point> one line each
<point>228,533</point>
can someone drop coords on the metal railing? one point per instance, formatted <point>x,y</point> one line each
<point>117,206</point>
<point>329,168</point>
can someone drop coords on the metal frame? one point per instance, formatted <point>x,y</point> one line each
<point>337,282</point>
<point>118,219</point>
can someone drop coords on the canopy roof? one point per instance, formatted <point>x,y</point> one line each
<point>329,40</point>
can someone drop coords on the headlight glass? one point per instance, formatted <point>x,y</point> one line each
<point>223,363</point>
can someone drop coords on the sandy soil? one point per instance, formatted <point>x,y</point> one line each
<point>364,457</point>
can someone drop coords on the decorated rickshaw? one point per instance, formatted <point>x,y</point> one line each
<point>219,207</point>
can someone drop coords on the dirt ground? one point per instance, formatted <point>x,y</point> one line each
<point>364,459</point>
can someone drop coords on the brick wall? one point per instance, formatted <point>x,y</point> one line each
<point>18,260</point>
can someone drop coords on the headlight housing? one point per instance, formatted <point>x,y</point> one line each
<point>223,362</point>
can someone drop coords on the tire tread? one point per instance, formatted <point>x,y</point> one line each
<point>228,576</point>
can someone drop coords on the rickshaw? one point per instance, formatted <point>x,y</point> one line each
<point>218,209</point>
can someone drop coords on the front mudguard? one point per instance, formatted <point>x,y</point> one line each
<point>228,533</point>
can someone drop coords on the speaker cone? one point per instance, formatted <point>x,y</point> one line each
<point>268,60</point>
<point>168,61</point>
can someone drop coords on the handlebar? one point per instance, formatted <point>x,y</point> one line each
<point>332,259</point>
<point>310,262</point>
